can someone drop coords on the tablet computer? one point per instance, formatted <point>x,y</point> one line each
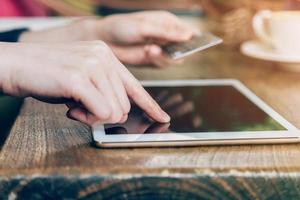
<point>203,112</point>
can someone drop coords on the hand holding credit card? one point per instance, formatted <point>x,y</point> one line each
<point>197,43</point>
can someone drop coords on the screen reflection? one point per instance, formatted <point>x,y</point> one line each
<point>198,109</point>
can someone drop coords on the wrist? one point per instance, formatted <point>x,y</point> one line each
<point>5,70</point>
<point>101,29</point>
<point>79,30</point>
<point>8,67</point>
<point>91,29</point>
<point>59,34</point>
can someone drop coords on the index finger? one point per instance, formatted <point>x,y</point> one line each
<point>141,98</point>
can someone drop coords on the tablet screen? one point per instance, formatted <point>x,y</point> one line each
<point>198,109</point>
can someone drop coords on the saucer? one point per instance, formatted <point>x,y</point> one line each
<point>259,50</point>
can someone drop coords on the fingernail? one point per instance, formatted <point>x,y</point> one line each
<point>188,36</point>
<point>155,50</point>
<point>166,117</point>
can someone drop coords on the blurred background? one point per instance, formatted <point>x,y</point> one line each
<point>230,19</point>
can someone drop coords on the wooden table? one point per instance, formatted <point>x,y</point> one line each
<point>48,156</point>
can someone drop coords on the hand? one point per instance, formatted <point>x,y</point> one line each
<point>85,75</point>
<point>182,112</point>
<point>134,38</point>
<point>137,123</point>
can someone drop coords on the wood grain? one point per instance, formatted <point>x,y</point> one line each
<point>49,156</point>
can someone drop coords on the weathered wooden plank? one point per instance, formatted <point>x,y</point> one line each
<point>188,186</point>
<point>42,142</point>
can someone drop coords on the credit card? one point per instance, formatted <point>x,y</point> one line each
<point>197,43</point>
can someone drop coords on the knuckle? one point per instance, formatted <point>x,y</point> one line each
<point>135,90</point>
<point>106,114</point>
<point>127,107</point>
<point>99,46</point>
<point>117,116</point>
<point>124,119</point>
<point>99,52</point>
<point>76,75</point>
<point>152,105</point>
<point>92,60</point>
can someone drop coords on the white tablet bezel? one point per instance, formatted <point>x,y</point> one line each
<point>171,138</point>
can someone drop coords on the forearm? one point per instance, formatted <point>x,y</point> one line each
<point>6,55</point>
<point>81,30</point>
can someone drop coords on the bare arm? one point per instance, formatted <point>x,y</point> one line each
<point>132,37</point>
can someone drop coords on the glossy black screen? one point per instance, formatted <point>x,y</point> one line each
<point>198,109</point>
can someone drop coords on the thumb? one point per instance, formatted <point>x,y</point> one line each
<point>133,55</point>
<point>157,57</point>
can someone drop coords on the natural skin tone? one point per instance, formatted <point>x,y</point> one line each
<point>88,76</point>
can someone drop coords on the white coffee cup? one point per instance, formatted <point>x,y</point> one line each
<point>280,30</point>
